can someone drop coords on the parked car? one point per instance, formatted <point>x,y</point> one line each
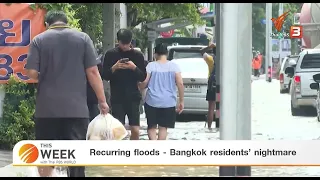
<point>194,71</point>
<point>185,51</point>
<point>285,81</point>
<point>302,96</point>
<point>315,86</point>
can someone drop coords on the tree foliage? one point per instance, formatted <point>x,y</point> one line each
<point>143,13</point>
<point>90,19</point>
<point>66,7</point>
<point>17,121</point>
<point>88,16</point>
<point>258,29</point>
<point>147,12</point>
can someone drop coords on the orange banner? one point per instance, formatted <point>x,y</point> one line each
<point>18,25</point>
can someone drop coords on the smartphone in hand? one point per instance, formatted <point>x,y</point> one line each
<point>124,60</point>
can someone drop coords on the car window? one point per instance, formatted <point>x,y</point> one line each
<point>194,66</point>
<point>184,53</point>
<point>286,64</point>
<point>181,55</point>
<point>310,61</point>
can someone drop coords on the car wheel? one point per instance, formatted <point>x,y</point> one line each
<point>311,111</point>
<point>295,111</point>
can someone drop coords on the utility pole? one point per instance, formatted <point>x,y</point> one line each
<point>217,62</point>
<point>108,14</point>
<point>108,42</point>
<point>150,50</point>
<point>117,17</point>
<point>280,40</point>
<point>236,38</point>
<point>268,48</point>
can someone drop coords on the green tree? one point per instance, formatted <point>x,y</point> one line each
<point>292,8</point>
<point>147,12</point>
<point>258,29</point>
<point>143,13</point>
<point>83,16</point>
<point>88,16</point>
<point>66,7</point>
<point>90,19</point>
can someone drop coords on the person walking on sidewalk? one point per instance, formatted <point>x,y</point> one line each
<point>142,91</point>
<point>163,77</point>
<point>92,100</point>
<point>125,68</point>
<point>62,59</point>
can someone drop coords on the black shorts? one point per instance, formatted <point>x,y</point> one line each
<point>211,91</point>
<point>211,94</point>
<point>131,109</point>
<point>61,128</point>
<point>164,117</point>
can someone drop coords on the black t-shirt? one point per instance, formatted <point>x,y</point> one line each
<point>146,62</point>
<point>124,82</point>
<point>91,95</point>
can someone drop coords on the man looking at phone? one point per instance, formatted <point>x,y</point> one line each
<point>124,67</point>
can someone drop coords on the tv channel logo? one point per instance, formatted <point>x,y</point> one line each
<point>28,153</point>
<point>296,32</point>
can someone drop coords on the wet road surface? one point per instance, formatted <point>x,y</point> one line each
<point>5,158</point>
<point>271,120</point>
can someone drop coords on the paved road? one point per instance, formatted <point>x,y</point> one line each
<point>271,120</point>
<point>5,158</point>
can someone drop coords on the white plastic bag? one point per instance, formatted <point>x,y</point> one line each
<point>106,127</point>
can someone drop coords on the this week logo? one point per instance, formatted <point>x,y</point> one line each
<point>28,153</point>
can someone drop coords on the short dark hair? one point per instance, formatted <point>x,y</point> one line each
<point>161,49</point>
<point>55,16</point>
<point>124,36</point>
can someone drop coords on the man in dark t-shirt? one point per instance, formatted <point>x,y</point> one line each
<point>92,99</point>
<point>61,59</point>
<point>124,67</point>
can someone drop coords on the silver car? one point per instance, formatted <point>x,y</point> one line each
<point>302,96</point>
<point>194,72</point>
<point>315,86</point>
<point>284,80</point>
